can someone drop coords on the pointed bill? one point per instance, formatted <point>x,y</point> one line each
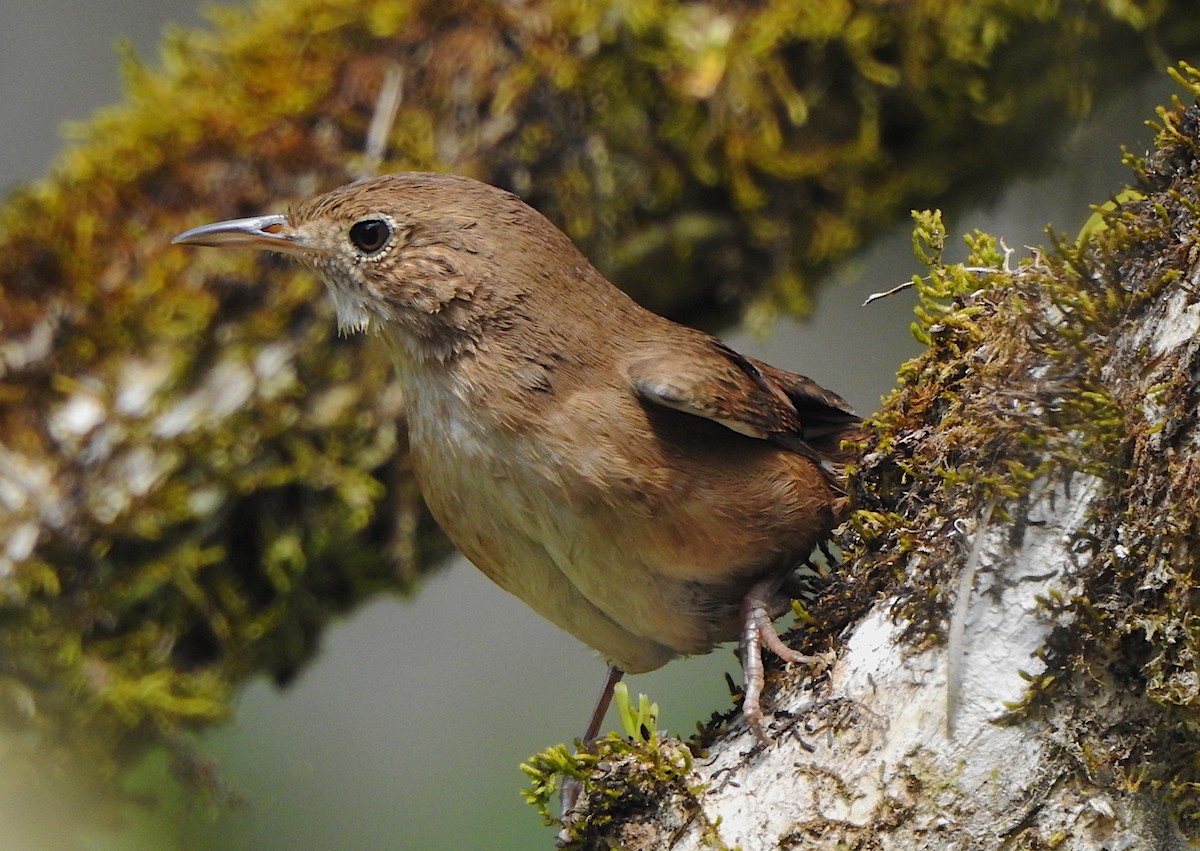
<point>272,233</point>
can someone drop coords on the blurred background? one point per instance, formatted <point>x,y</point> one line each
<point>408,730</point>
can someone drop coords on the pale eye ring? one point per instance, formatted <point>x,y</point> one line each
<point>370,236</point>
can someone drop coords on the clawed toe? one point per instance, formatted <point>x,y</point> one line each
<point>757,631</point>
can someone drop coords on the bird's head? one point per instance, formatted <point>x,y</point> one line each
<point>434,257</point>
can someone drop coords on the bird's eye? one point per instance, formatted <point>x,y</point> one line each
<point>370,235</point>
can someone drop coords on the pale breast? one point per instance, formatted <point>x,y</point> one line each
<point>481,486</point>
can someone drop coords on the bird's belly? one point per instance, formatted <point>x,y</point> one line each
<point>637,587</point>
<point>516,530</point>
<point>643,556</point>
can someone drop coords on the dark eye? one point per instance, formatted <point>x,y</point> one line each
<point>370,235</point>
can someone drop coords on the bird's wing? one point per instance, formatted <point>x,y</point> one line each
<point>706,378</point>
<point>823,414</point>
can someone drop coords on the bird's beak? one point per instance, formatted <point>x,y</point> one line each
<point>272,233</point>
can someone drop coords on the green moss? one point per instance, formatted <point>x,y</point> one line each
<point>625,780</point>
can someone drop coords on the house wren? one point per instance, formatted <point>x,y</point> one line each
<point>635,481</point>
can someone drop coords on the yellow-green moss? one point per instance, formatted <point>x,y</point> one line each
<point>626,780</point>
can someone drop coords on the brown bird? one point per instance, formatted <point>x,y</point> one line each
<point>635,481</point>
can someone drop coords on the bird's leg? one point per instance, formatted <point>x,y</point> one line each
<point>571,786</point>
<point>758,606</point>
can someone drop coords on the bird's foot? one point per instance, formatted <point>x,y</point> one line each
<point>758,631</point>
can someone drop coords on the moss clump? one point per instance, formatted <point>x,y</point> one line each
<point>626,781</point>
